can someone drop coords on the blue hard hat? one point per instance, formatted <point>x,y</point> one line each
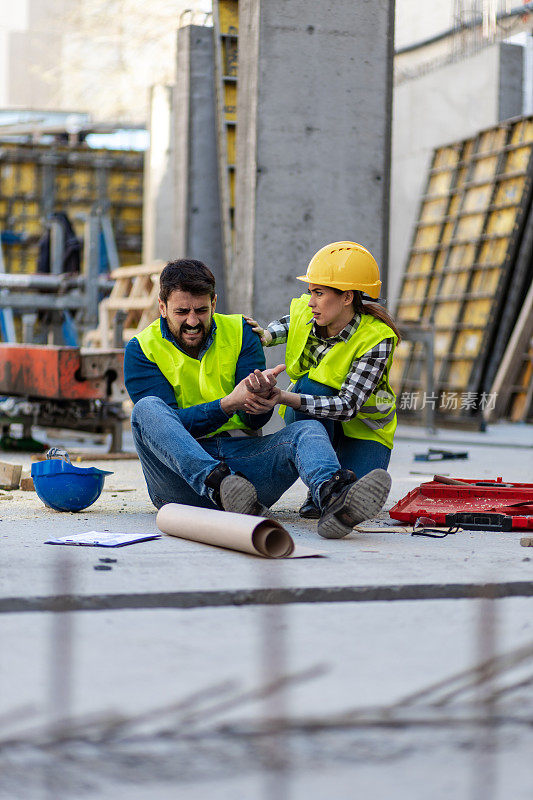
<point>65,487</point>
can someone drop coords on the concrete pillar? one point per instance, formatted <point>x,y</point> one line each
<point>159,201</point>
<point>182,185</point>
<point>313,140</point>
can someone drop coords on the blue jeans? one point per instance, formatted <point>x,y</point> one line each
<point>359,455</point>
<point>175,464</point>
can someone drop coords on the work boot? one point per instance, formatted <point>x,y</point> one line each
<point>346,501</point>
<point>231,491</point>
<point>308,509</point>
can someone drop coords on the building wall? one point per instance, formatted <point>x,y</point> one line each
<point>437,108</point>
<point>417,20</point>
<point>100,56</point>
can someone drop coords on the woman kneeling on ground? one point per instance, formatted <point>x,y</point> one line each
<point>338,356</point>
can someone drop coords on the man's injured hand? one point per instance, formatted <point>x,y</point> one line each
<point>261,383</point>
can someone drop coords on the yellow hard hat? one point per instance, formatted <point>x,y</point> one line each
<point>344,265</point>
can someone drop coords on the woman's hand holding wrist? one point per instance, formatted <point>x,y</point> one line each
<point>290,399</point>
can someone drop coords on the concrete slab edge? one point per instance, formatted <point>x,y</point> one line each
<point>278,596</point>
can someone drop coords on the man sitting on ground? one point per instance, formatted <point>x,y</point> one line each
<point>187,375</point>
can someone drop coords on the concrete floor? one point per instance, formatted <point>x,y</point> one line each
<point>198,688</point>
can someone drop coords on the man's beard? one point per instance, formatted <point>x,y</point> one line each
<point>177,333</point>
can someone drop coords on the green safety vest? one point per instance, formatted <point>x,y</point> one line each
<point>198,381</point>
<point>376,420</point>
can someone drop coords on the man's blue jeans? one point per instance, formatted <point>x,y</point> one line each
<point>359,455</point>
<point>175,464</point>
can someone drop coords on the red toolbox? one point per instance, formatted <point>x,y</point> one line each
<point>435,500</point>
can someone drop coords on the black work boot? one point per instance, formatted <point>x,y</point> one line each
<point>308,509</point>
<point>346,501</point>
<point>233,492</point>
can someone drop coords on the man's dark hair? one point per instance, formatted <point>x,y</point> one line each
<point>186,275</point>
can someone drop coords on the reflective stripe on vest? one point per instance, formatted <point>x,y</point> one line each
<point>199,381</point>
<point>376,420</point>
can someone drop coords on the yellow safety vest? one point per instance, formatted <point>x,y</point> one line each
<point>376,420</point>
<point>198,381</point>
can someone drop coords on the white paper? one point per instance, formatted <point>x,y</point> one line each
<point>103,539</point>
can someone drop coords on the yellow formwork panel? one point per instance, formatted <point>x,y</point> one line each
<point>461,255</point>
<point>434,210</point>
<point>18,260</point>
<point>491,140</point>
<point>519,412</point>
<point>230,58</point>
<point>522,131</point>
<point>485,169</point>
<point>19,178</point>
<point>446,157</point>
<point>428,236</point>
<point>477,311</point>
<point>470,227</point>
<point>124,186</point>
<point>126,221</point>
<point>448,232</point>
<point>501,223</point>
<point>440,261</point>
<point>477,199</point>
<point>454,206</point>
<point>509,191</point>
<point>461,178</point>
<point>420,262</point>
<point>517,160</point>
<point>518,406</point>
<point>454,283</point>
<point>439,184</point>
<point>79,180</point>
<point>230,102</point>
<point>426,312</point>
<point>476,209</point>
<point>468,341</point>
<point>468,149</point>
<point>409,312</point>
<point>442,343</point>
<point>485,280</point>
<point>433,289</point>
<point>458,374</point>
<point>23,209</point>
<point>231,140</point>
<point>226,21</point>
<point>228,14</point>
<point>415,289</point>
<point>446,313</point>
<point>232,189</point>
<point>493,251</point>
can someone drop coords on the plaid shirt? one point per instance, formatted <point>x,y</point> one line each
<point>361,380</point>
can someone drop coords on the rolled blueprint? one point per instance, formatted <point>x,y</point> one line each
<point>256,535</point>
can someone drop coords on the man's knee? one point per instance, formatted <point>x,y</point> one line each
<point>147,409</point>
<point>308,428</point>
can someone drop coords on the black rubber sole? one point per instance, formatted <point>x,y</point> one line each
<point>363,500</point>
<point>238,495</point>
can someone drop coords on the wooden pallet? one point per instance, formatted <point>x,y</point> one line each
<point>136,293</point>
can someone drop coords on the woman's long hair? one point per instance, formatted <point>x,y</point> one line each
<point>375,309</point>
